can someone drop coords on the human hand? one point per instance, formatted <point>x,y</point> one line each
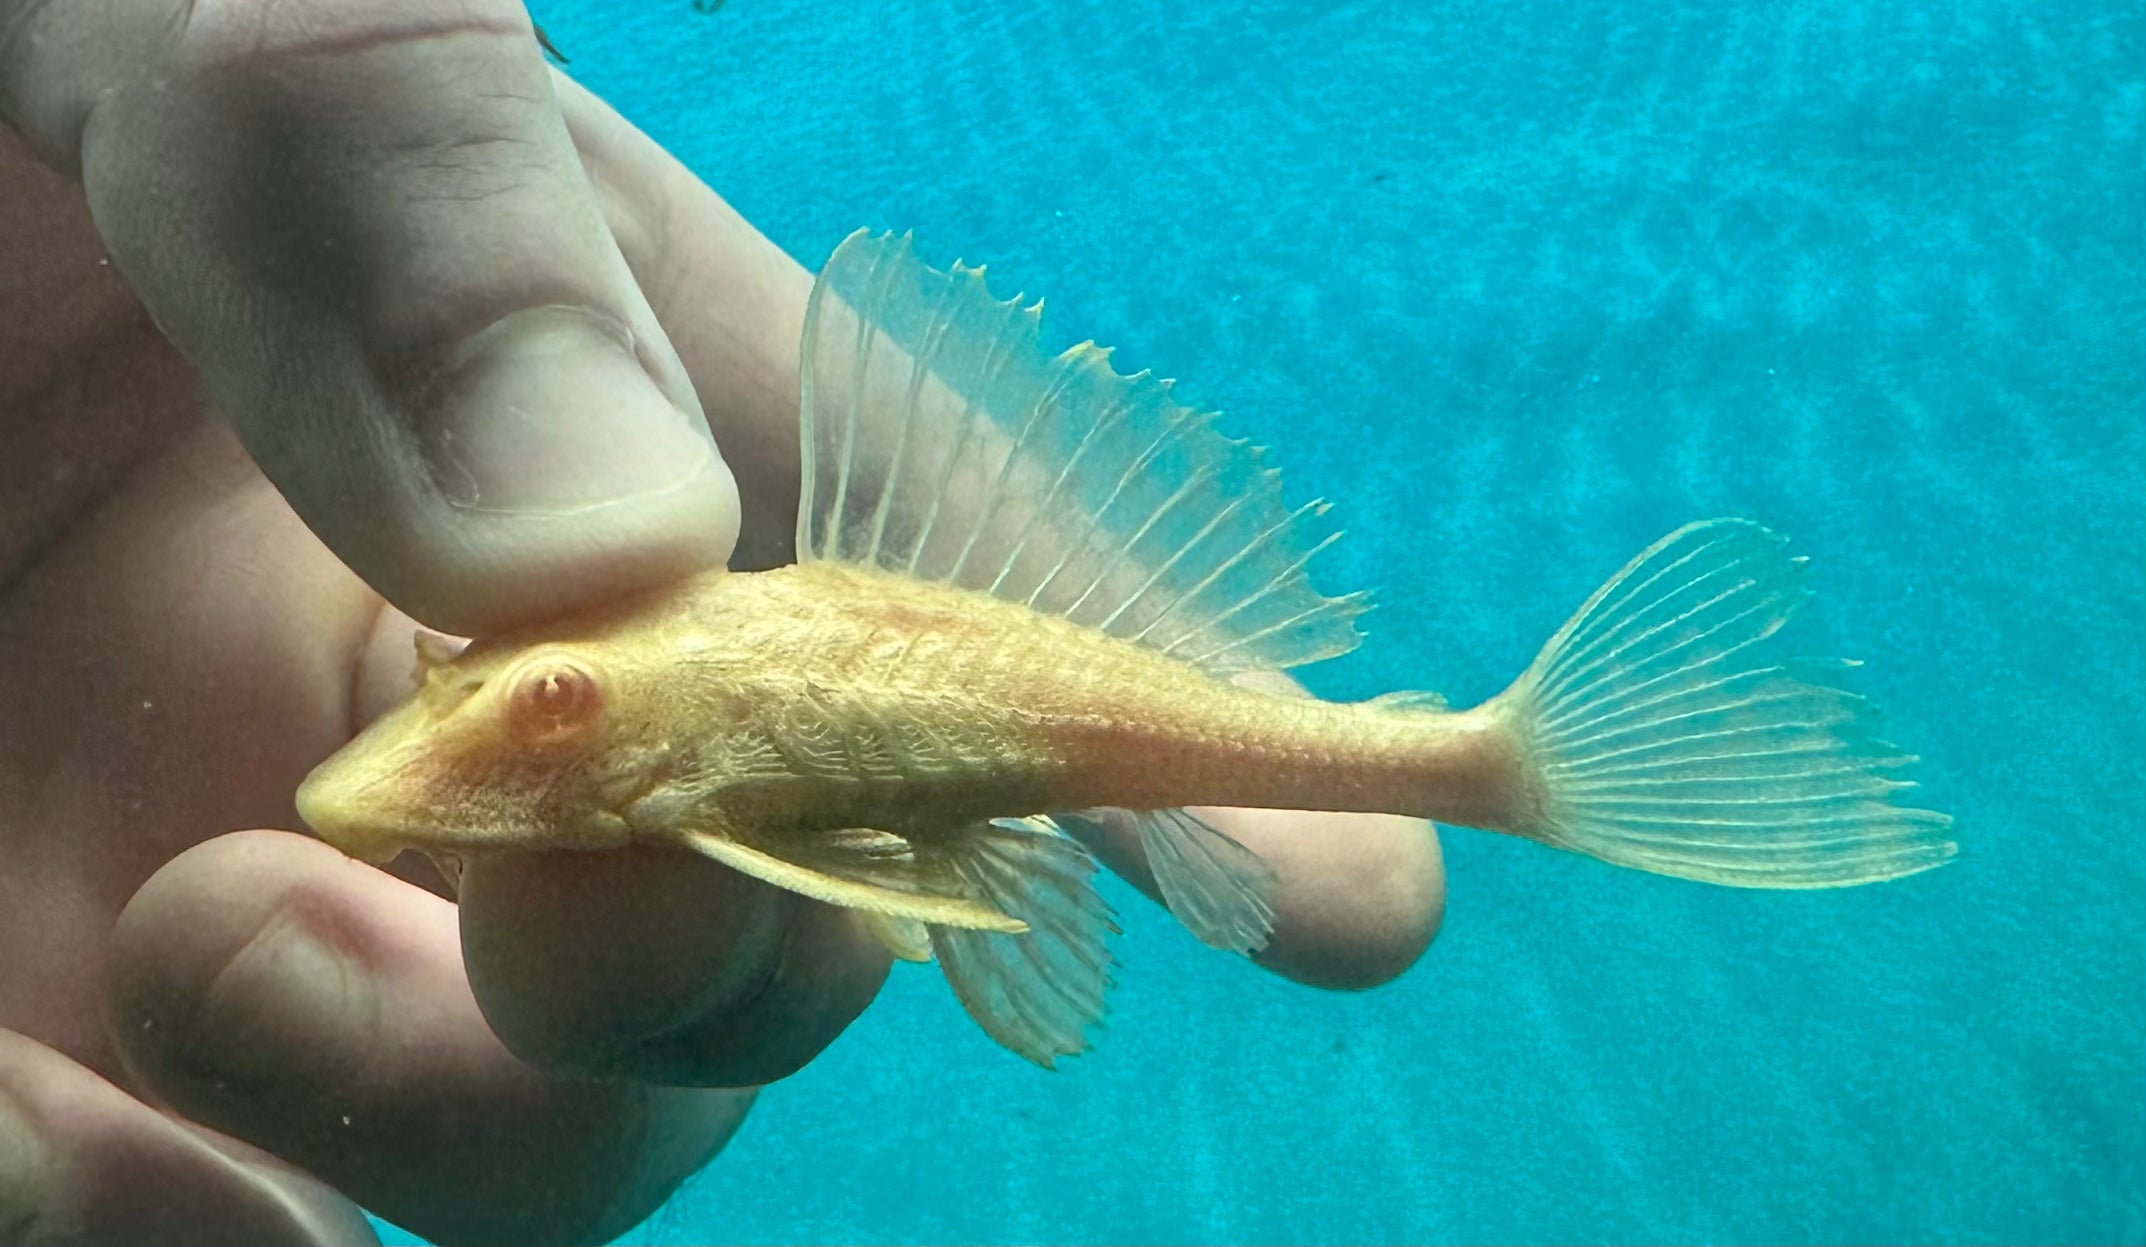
<point>403,262</point>
<point>325,218</point>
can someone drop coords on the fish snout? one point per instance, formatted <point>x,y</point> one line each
<point>345,803</point>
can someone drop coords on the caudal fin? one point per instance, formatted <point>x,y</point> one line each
<point>1659,740</point>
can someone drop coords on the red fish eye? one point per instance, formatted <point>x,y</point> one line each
<point>555,699</point>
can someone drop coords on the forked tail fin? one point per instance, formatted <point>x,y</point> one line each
<point>1659,740</point>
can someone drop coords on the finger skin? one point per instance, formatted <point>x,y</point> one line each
<point>82,1162</point>
<point>367,228</point>
<point>732,302</point>
<point>659,965</point>
<point>267,986</point>
<point>83,381</point>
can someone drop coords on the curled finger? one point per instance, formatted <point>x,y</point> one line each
<point>83,1162</point>
<point>267,986</point>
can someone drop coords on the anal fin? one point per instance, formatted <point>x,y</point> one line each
<point>1220,890</point>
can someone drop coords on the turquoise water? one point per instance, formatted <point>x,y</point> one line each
<point>1523,286</point>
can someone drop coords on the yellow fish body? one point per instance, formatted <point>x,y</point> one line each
<point>1025,581</point>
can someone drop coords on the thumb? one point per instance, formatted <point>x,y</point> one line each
<point>367,227</point>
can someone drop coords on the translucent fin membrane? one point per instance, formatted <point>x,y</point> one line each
<point>1222,891</point>
<point>906,938</point>
<point>940,441</point>
<point>1217,887</point>
<point>1664,744</point>
<point>1036,992</point>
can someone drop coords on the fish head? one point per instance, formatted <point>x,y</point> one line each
<point>514,744</point>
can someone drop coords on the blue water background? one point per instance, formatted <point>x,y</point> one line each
<point>1522,286</point>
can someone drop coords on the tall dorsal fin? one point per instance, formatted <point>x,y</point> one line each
<point>939,440</point>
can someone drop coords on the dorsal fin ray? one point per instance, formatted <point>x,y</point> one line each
<point>939,440</point>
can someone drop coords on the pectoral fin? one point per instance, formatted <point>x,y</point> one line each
<point>906,938</point>
<point>874,883</point>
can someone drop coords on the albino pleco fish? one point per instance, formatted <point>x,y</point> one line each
<point>1024,582</point>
